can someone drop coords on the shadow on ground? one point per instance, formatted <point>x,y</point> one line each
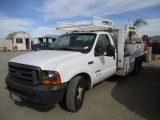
<point>140,93</point>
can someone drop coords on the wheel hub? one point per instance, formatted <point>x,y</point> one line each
<point>80,94</point>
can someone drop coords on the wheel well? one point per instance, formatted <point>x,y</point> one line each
<point>87,79</point>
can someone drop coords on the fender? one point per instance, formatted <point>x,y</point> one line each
<point>69,71</point>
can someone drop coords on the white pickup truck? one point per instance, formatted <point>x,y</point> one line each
<point>75,62</point>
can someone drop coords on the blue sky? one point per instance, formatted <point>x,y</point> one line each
<point>38,17</point>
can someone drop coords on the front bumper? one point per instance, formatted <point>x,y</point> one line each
<point>41,94</point>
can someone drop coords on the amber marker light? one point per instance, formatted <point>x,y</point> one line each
<point>119,60</point>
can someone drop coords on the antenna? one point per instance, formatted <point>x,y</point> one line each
<point>129,21</point>
<point>45,30</point>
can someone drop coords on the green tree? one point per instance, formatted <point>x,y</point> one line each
<point>139,22</point>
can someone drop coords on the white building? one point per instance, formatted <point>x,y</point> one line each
<point>5,44</point>
<point>43,39</point>
<point>21,39</point>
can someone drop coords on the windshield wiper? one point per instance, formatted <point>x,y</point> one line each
<point>50,48</point>
<point>66,49</point>
<point>62,48</point>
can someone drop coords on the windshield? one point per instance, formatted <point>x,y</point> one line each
<point>81,42</point>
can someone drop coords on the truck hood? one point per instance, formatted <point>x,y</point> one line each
<point>46,59</point>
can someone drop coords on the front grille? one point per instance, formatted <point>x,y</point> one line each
<point>25,73</point>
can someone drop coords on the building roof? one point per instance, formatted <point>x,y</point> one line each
<point>12,35</point>
<point>49,36</point>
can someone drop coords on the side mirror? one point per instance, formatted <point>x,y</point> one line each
<point>110,50</point>
<point>99,51</point>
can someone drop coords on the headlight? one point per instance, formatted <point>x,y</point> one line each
<point>50,77</point>
<point>51,74</point>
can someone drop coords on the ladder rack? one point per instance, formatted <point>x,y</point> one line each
<point>131,29</point>
<point>96,24</point>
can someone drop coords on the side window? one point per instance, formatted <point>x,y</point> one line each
<point>103,41</point>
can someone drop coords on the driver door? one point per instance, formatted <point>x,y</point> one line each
<point>105,66</point>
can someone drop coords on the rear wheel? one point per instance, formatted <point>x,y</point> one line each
<point>75,94</point>
<point>136,68</point>
<point>140,64</point>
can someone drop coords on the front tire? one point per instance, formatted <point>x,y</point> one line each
<point>75,94</point>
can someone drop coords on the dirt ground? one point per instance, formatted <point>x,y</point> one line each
<point>128,98</point>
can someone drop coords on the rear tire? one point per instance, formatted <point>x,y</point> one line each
<point>136,69</point>
<point>140,64</point>
<point>75,94</point>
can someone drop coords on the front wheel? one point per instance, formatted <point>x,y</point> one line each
<point>75,93</point>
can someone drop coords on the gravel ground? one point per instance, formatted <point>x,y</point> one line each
<point>129,98</point>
